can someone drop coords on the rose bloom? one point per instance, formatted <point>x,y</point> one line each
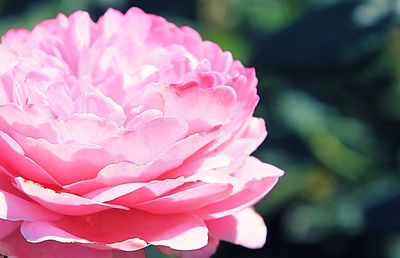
<point>125,133</point>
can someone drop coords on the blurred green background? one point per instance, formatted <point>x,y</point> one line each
<point>329,75</point>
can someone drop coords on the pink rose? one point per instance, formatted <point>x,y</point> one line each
<point>125,133</point>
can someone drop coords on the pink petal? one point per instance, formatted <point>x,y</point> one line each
<point>16,208</point>
<point>103,106</point>
<point>112,84</point>
<point>175,70</point>
<point>214,177</point>
<point>191,144</point>
<point>8,60</point>
<point>204,252</point>
<point>187,198</point>
<point>16,246</point>
<point>122,173</point>
<point>7,227</point>
<point>149,140</point>
<point>75,32</point>
<point>63,203</point>
<point>127,172</point>
<point>7,183</point>
<point>246,228</point>
<point>248,138</point>
<point>214,106</point>
<point>244,81</point>
<point>220,61</point>
<point>133,230</point>
<point>147,100</point>
<point>13,159</point>
<point>191,40</point>
<point>135,20</point>
<point>167,33</point>
<point>31,121</point>
<point>59,100</point>
<point>194,166</point>
<point>143,118</point>
<point>253,192</point>
<point>253,168</point>
<point>62,161</point>
<point>132,193</point>
<point>111,22</point>
<point>80,28</point>
<point>259,179</point>
<point>88,128</point>
<point>15,36</point>
<point>245,142</point>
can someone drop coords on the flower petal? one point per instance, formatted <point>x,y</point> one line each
<point>63,203</point>
<point>258,178</point>
<point>204,252</point>
<point>69,162</point>
<point>214,106</point>
<point>133,230</point>
<point>122,173</point>
<point>187,198</point>
<point>246,228</point>
<point>88,128</point>
<point>15,208</point>
<point>160,168</point>
<point>13,159</point>
<point>16,246</point>
<point>7,227</point>
<point>103,106</point>
<point>30,122</point>
<point>149,140</point>
<point>132,193</point>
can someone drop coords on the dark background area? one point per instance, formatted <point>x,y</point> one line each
<point>329,74</point>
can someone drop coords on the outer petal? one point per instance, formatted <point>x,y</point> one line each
<point>204,252</point>
<point>260,178</point>
<point>244,81</point>
<point>187,198</point>
<point>7,227</point>
<point>15,208</point>
<point>133,230</point>
<point>221,61</point>
<point>135,20</point>
<point>67,163</point>
<point>246,228</point>
<point>63,203</point>
<point>15,246</point>
<point>246,141</point>
<point>13,159</point>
